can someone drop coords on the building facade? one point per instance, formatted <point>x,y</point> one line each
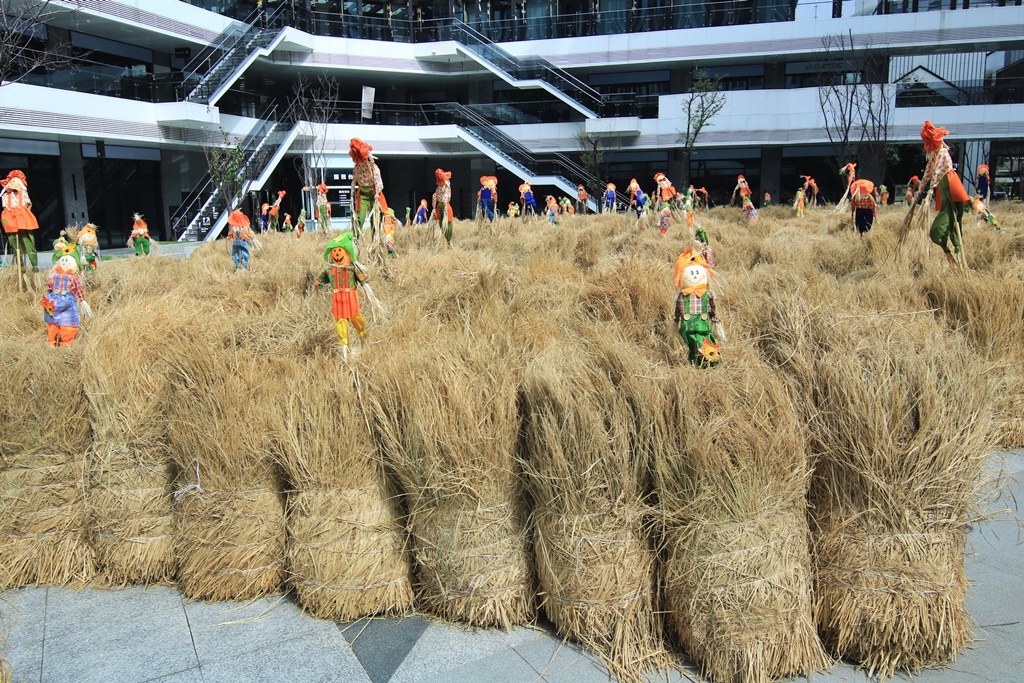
<point>511,89</point>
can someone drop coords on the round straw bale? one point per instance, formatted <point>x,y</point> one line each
<point>42,521</point>
<point>346,553</point>
<point>229,544</point>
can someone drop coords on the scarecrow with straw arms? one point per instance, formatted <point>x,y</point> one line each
<point>343,275</point>
<point>581,199</point>
<point>366,177</point>
<point>89,246</point>
<point>982,183</point>
<point>241,236</point>
<point>322,211</point>
<point>942,181</point>
<point>18,220</point>
<point>443,203</point>
<point>695,313</point>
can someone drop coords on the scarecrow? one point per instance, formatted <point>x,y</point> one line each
<point>343,274</point>
<point>581,199</point>
<point>913,185</point>
<point>487,198</point>
<point>982,184</point>
<point>703,245</point>
<point>18,220</point>
<point>983,215</point>
<point>703,199</point>
<point>631,191</point>
<point>275,208</point>
<point>799,202</point>
<point>287,225</point>
<point>742,189</point>
<point>883,195</point>
<point>240,235</point>
<point>66,244</point>
<point>365,177</point>
<point>443,202</point>
<point>810,189</point>
<point>862,205</point>
<point>666,220</point>
<point>140,235</point>
<point>300,225</point>
<point>89,247</point>
<point>322,212</point>
<point>665,191</point>
<point>566,207</point>
<point>695,309</point>
<point>513,210</point>
<point>552,210</point>
<point>767,200</point>
<point>421,213</point>
<point>529,202</point>
<point>850,171</point>
<point>264,217</point>
<point>390,223</point>
<point>942,180</point>
<point>748,209</point>
<point>61,302</point>
<point>609,198</point>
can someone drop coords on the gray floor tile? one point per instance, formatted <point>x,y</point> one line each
<point>26,661</point>
<point>445,646</point>
<point>138,645</point>
<point>308,659</point>
<point>188,676</point>
<point>562,662</point>
<point>381,645</point>
<point>227,629</point>
<point>22,613</point>
<point>71,612</point>
<point>504,666</point>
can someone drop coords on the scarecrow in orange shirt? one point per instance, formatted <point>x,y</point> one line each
<point>742,189</point>
<point>342,275</point>
<point>581,199</point>
<point>367,185</point>
<point>665,192</point>
<point>18,220</point>
<point>443,203</point>
<point>275,209</point>
<point>942,180</point>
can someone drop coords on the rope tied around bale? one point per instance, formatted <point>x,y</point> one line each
<point>191,487</point>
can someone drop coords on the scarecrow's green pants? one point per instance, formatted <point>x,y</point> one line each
<point>365,204</point>
<point>694,331</point>
<point>28,246</point>
<point>142,246</point>
<point>950,215</point>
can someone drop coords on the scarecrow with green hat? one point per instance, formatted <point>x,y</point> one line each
<point>342,274</point>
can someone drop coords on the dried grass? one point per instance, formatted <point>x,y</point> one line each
<point>594,559</point>
<point>731,489</point>
<point>347,555</point>
<point>446,423</point>
<point>229,536</point>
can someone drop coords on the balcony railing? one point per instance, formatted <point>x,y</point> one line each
<point>959,93</point>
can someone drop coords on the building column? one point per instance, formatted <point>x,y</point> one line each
<point>72,181</point>
<point>771,173</point>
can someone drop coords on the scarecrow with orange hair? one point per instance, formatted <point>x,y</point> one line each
<point>140,235</point>
<point>275,209</point>
<point>862,205</point>
<point>241,236</point>
<point>609,198</point>
<point>810,189</point>
<point>443,203</point>
<point>665,191</point>
<point>529,201</point>
<point>322,212</point>
<point>581,199</point>
<point>850,171</point>
<point>942,181</point>
<point>695,309</point>
<point>365,177</point>
<point>421,213</point>
<point>487,198</point>
<point>981,184</point>
<point>18,220</point>
<point>913,185</point>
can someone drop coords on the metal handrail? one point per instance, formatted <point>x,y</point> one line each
<point>204,55</point>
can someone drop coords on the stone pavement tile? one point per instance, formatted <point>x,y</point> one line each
<point>562,662</point>
<point>228,629</point>
<point>23,614</point>
<point>112,636</point>
<point>504,666</point>
<point>307,659</point>
<point>187,676</point>
<point>445,646</point>
<point>26,661</point>
<point>989,599</point>
<point>381,645</point>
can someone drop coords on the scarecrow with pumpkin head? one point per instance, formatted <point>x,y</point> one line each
<point>695,309</point>
<point>342,275</point>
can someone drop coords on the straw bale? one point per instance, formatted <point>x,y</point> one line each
<point>903,427</point>
<point>130,514</point>
<point>229,533</point>
<point>229,544</point>
<point>594,560</point>
<point>42,521</point>
<point>446,423</point>
<point>347,555</point>
<point>732,494</point>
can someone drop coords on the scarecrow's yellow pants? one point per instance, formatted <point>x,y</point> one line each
<point>341,327</point>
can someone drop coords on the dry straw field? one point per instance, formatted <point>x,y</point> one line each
<point>520,435</point>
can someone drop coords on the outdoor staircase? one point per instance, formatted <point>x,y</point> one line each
<point>202,216</point>
<point>530,72</point>
<point>545,169</point>
<point>228,59</point>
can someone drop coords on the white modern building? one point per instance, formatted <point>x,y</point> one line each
<point>496,87</point>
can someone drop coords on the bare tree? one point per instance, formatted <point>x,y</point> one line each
<point>704,101</point>
<point>317,107</point>
<point>856,102</point>
<point>22,47</point>
<point>226,164</point>
<point>591,158</point>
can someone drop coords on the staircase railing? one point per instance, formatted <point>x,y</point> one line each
<point>199,212</point>
<point>236,49</point>
<point>530,68</point>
